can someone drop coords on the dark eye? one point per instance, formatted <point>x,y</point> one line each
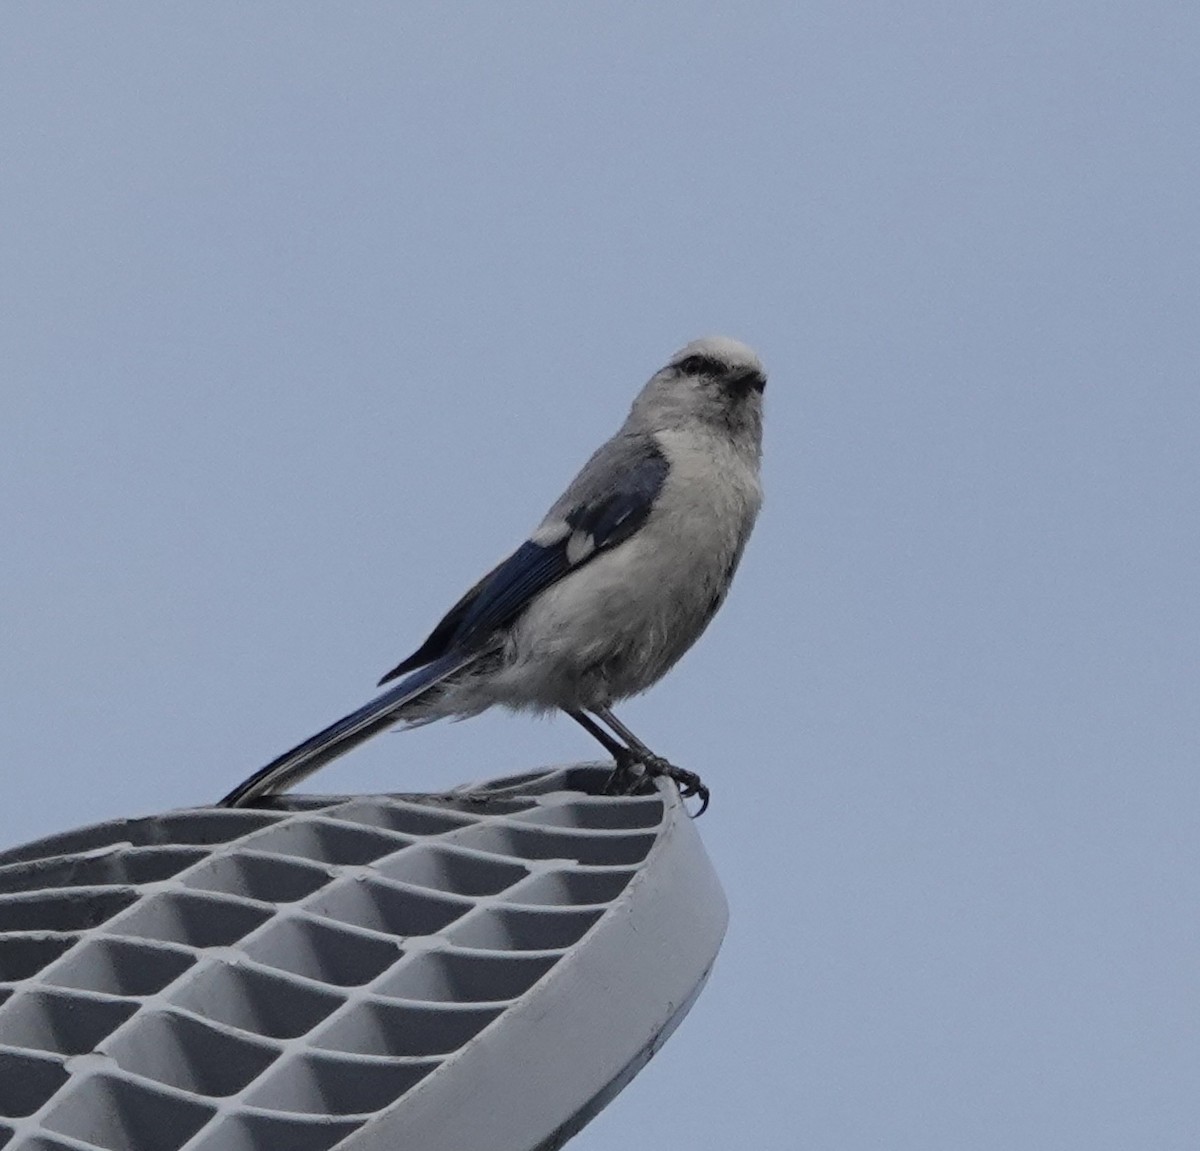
<point>701,366</point>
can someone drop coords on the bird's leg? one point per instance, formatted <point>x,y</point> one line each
<point>688,781</point>
<point>624,779</point>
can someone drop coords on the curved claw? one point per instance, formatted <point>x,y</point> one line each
<point>688,782</point>
<point>691,784</point>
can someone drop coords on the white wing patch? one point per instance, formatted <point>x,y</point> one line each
<point>579,547</point>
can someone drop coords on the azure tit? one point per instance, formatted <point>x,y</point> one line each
<point>619,579</point>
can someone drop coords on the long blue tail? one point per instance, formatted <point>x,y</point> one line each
<point>348,732</point>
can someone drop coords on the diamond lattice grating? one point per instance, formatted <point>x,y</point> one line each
<point>479,969</point>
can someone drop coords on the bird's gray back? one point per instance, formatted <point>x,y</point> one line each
<point>630,454</point>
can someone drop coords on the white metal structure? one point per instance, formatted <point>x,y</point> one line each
<point>479,970</point>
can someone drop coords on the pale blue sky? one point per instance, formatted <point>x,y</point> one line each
<point>309,310</point>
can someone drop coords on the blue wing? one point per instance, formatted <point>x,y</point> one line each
<point>591,526</point>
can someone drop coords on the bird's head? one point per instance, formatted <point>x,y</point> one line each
<point>715,380</point>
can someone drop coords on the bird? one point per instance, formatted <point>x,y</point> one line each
<point>617,582</point>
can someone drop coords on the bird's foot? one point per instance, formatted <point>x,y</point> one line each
<point>688,782</point>
<point>631,770</point>
<point>627,777</point>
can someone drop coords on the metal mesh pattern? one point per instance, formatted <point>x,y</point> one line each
<point>253,979</point>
